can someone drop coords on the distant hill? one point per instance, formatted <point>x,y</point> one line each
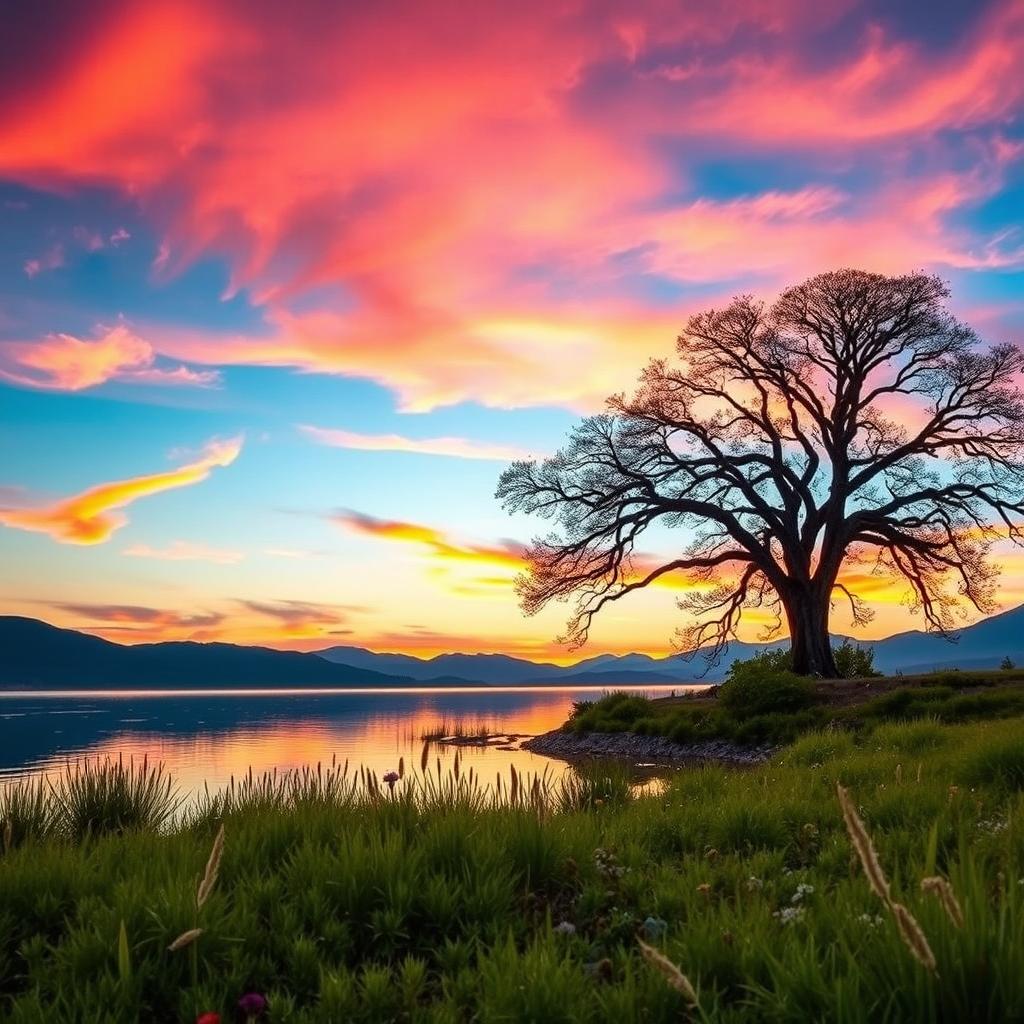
<point>34,653</point>
<point>983,645</point>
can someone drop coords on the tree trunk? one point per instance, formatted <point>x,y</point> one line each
<point>807,612</point>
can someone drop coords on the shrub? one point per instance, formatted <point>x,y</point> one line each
<point>750,693</point>
<point>854,661</point>
<point>1007,664</point>
<point>616,712</point>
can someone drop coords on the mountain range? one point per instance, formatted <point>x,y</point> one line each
<point>37,654</point>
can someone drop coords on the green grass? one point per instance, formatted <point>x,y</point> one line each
<point>440,902</point>
<point>946,697</point>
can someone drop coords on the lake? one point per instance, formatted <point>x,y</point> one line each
<point>206,737</point>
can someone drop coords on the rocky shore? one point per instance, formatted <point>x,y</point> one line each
<point>571,746</point>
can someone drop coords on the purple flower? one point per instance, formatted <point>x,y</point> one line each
<point>252,1004</point>
<point>391,778</point>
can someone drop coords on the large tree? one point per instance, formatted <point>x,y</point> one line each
<point>853,427</point>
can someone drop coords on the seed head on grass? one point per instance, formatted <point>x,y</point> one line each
<point>864,847</point>
<point>209,879</point>
<point>185,939</point>
<point>913,938</point>
<point>910,931</point>
<point>670,972</point>
<point>943,892</point>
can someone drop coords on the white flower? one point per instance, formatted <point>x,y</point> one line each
<point>802,890</point>
<point>565,928</point>
<point>754,884</point>
<point>789,915</point>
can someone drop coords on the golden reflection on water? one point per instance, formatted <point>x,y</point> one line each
<point>301,734</point>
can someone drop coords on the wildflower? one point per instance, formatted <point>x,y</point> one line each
<point>704,888</point>
<point>253,1005</point>
<point>789,915</point>
<point>711,853</point>
<point>754,884</point>
<point>565,928</point>
<point>598,802</point>
<point>802,890</point>
<point>391,778</point>
<point>654,929</point>
<point>208,1018</point>
<point>871,920</point>
<point>607,864</point>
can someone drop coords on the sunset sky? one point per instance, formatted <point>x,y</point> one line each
<point>284,287</point>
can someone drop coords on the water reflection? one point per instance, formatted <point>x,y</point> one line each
<point>206,737</point>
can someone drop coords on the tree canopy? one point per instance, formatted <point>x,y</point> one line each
<point>855,426</point>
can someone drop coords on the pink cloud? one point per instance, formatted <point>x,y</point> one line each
<point>453,447</point>
<point>440,170</point>
<point>52,259</point>
<point>63,362</point>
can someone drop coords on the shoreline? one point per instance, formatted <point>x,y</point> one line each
<point>570,746</point>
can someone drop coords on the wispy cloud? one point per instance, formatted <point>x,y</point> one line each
<point>142,615</point>
<point>51,259</point>
<point>63,362</point>
<point>506,554</point>
<point>184,551</point>
<point>94,515</point>
<point>454,447</point>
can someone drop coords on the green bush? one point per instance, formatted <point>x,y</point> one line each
<point>749,693</point>
<point>853,661</point>
<point>616,712</point>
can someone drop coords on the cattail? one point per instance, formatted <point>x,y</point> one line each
<point>514,793</point>
<point>401,767</point>
<point>212,869</point>
<point>864,847</point>
<point>943,892</point>
<point>456,769</point>
<point>185,939</point>
<point>913,937</point>
<point>668,970</point>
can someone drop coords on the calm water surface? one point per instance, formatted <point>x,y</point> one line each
<point>205,737</point>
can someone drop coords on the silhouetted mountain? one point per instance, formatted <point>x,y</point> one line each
<point>35,653</point>
<point>983,645</point>
<point>481,668</point>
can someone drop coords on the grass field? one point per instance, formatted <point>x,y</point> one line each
<point>793,708</point>
<point>439,901</point>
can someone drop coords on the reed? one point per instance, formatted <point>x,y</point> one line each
<point>108,796</point>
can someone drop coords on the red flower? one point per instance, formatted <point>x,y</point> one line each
<point>208,1018</point>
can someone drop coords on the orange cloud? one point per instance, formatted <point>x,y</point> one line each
<point>62,362</point>
<point>506,555</point>
<point>94,515</point>
<point>183,551</point>
<point>455,447</point>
